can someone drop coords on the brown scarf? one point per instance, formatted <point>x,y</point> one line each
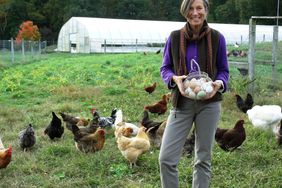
<point>186,34</point>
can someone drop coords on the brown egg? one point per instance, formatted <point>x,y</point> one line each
<point>197,89</point>
<point>193,85</point>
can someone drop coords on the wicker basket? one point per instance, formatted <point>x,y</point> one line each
<point>197,85</point>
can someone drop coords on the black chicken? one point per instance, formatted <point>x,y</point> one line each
<point>146,122</point>
<point>55,128</point>
<point>230,139</point>
<point>189,145</point>
<point>27,138</point>
<point>105,121</point>
<point>244,105</point>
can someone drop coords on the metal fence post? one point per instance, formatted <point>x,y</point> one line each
<point>274,54</point>
<point>23,52</point>
<point>12,51</point>
<point>105,46</point>
<point>39,47</point>
<point>136,43</point>
<point>251,53</point>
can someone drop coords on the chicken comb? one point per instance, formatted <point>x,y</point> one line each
<point>93,110</point>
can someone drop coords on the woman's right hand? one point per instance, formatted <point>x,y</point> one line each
<point>178,80</point>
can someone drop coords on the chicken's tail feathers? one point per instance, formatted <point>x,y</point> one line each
<point>119,118</point>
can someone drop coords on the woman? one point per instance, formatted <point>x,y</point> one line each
<point>194,42</point>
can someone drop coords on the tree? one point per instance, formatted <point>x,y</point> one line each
<point>28,31</point>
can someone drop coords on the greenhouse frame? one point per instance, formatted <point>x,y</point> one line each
<point>101,35</point>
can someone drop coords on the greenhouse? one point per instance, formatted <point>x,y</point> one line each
<point>102,35</point>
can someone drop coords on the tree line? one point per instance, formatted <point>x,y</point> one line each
<point>50,15</point>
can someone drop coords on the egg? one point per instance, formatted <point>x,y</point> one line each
<point>209,89</point>
<point>192,95</point>
<point>188,90</point>
<point>197,89</point>
<point>201,94</point>
<point>186,83</point>
<point>193,85</point>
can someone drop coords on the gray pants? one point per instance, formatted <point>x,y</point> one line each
<point>180,121</point>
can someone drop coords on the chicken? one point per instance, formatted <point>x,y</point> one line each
<point>92,127</point>
<point>279,134</point>
<point>125,125</point>
<point>150,89</point>
<point>152,129</point>
<point>189,144</point>
<point>132,148</point>
<point>158,51</point>
<point>27,138</point>
<point>125,131</point>
<point>244,105</point>
<point>105,121</point>
<point>146,122</point>
<point>266,117</point>
<point>55,128</point>
<point>88,142</point>
<point>230,139</point>
<point>159,107</point>
<point>71,120</point>
<point>5,155</point>
<point>119,123</point>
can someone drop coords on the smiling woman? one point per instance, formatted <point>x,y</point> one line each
<point>195,42</point>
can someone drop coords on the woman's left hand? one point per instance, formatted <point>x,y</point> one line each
<point>216,86</point>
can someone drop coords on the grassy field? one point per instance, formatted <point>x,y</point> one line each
<point>75,83</point>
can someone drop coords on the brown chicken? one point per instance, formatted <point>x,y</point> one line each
<point>159,107</point>
<point>230,139</point>
<point>89,142</point>
<point>132,148</point>
<point>150,89</point>
<point>71,120</point>
<point>5,155</point>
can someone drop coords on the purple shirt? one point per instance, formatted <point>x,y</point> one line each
<point>221,62</point>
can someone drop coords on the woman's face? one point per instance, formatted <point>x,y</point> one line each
<point>197,14</point>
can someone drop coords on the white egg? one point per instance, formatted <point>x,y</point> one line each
<point>188,90</point>
<point>192,95</point>
<point>209,89</point>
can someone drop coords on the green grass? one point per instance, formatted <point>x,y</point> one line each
<point>75,83</point>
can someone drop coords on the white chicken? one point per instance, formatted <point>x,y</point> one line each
<point>120,123</point>
<point>266,117</point>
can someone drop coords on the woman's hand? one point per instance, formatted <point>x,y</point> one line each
<point>179,82</point>
<point>216,86</point>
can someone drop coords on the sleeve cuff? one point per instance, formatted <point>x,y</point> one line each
<point>171,84</point>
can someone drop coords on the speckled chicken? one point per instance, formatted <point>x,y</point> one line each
<point>55,128</point>
<point>27,138</point>
<point>230,139</point>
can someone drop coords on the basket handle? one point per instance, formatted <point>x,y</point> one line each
<point>193,61</point>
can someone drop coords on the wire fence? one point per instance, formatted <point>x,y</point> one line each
<point>13,52</point>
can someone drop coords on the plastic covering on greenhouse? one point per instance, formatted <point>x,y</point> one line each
<point>101,35</point>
